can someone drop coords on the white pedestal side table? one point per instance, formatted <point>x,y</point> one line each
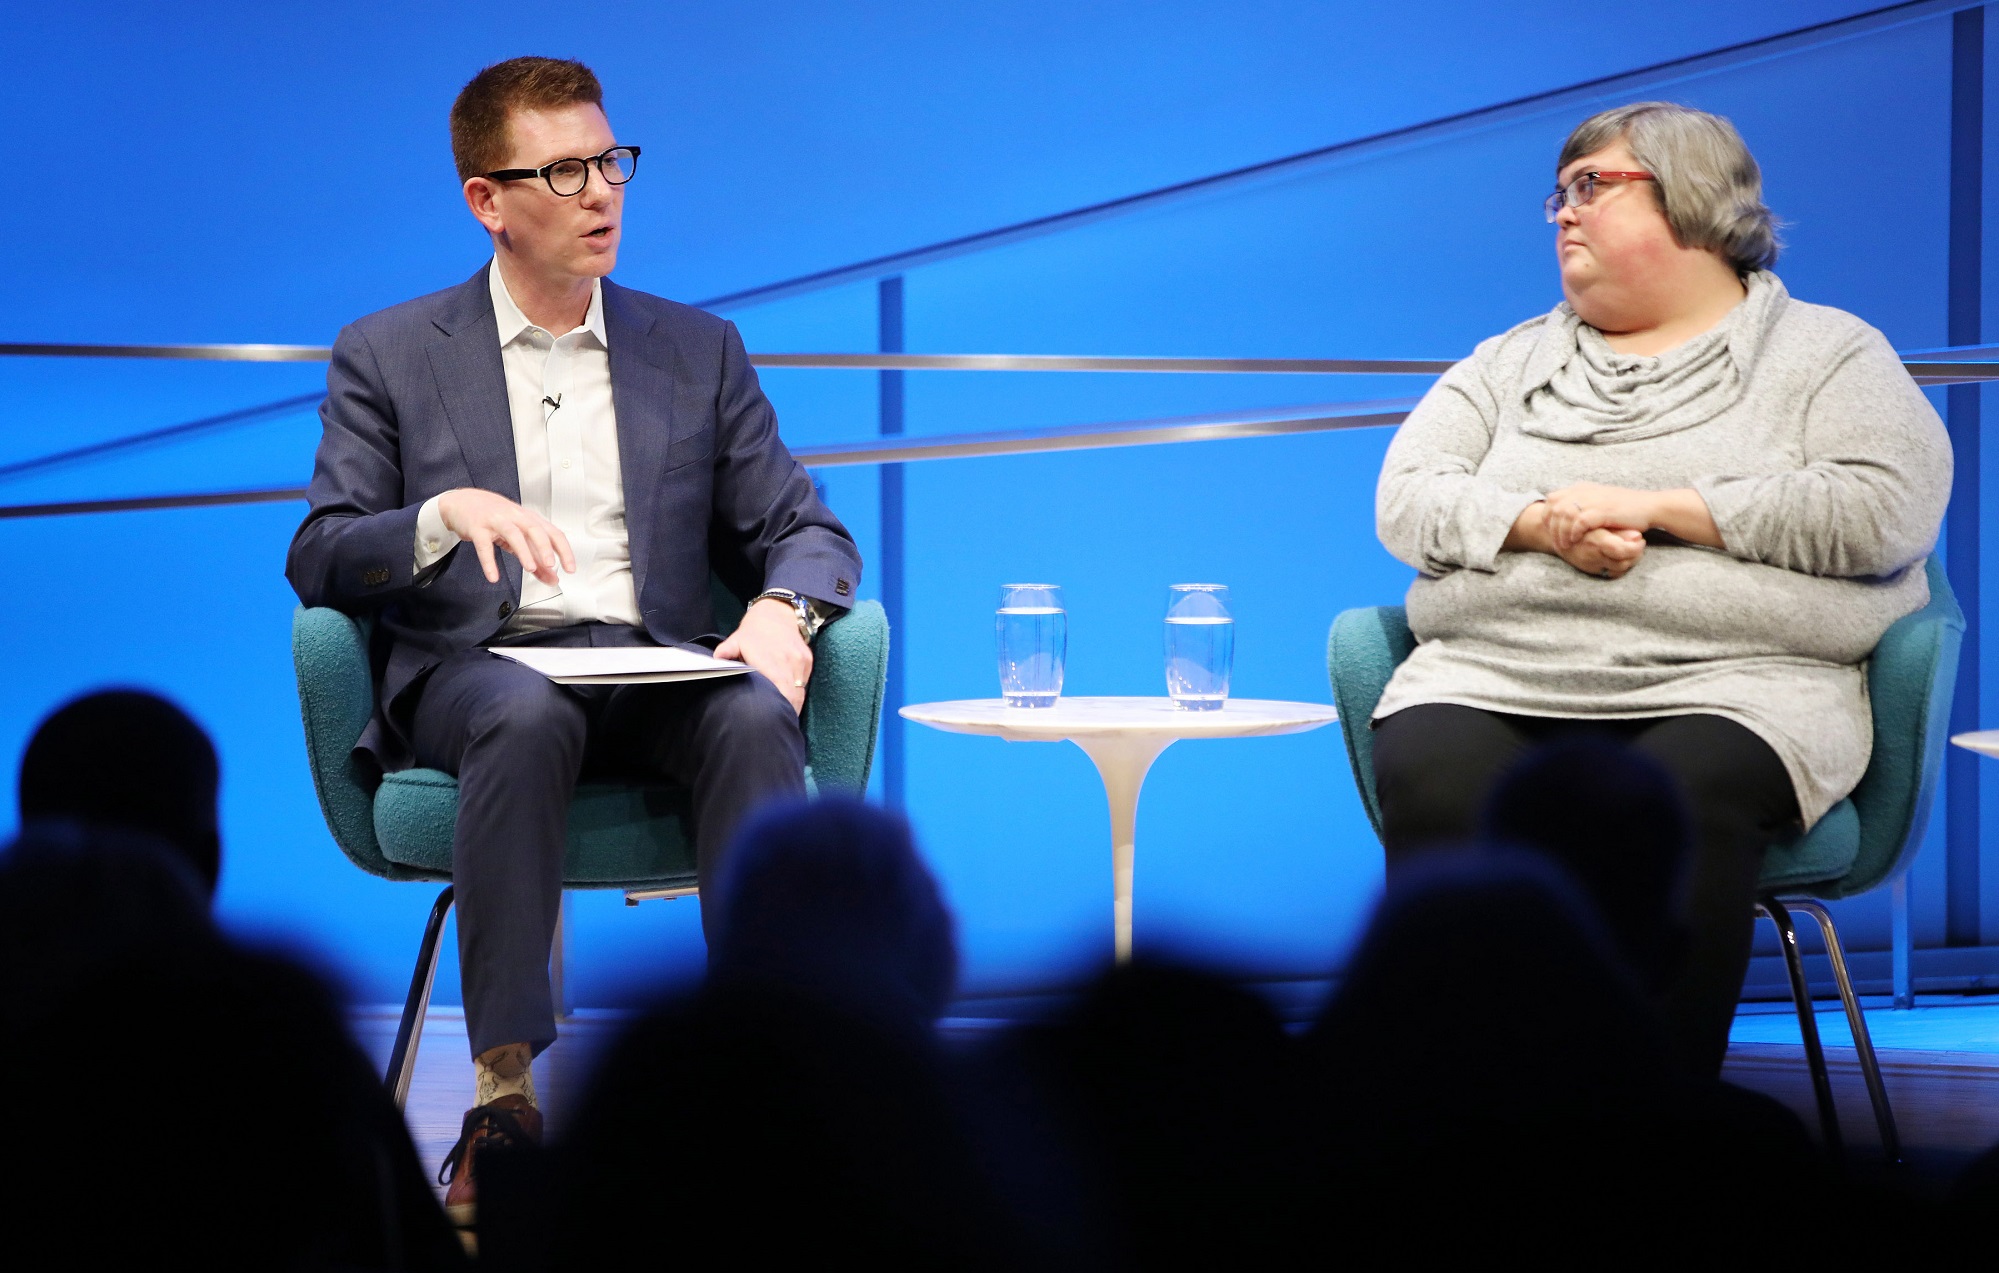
<point>1123,736</point>
<point>1985,742</point>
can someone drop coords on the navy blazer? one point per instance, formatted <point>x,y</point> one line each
<point>416,405</point>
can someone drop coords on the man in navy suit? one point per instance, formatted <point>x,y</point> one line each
<point>541,456</point>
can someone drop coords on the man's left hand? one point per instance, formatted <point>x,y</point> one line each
<point>767,639</point>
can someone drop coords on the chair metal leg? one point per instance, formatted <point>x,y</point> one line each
<point>1901,944</point>
<point>1863,1042</point>
<point>402,1057</point>
<point>558,960</point>
<point>1808,1025</point>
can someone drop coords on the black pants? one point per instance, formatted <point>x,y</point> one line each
<point>518,744</point>
<point>1435,765</point>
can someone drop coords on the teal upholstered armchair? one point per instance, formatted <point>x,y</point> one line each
<point>1866,840</point>
<point>621,836</point>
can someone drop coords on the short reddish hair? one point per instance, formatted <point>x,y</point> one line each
<point>479,118</point>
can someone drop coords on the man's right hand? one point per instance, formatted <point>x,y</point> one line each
<point>484,519</point>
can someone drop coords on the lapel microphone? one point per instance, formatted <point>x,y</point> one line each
<point>552,400</point>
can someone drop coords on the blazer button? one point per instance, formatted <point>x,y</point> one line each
<point>506,608</point>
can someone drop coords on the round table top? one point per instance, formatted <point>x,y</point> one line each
<point>1096,717</point>
<point>1984,741</point>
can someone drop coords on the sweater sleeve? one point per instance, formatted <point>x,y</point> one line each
<point>1432,509</point>
<point>1871,493</point>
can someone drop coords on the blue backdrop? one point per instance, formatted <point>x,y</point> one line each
<point>247,173</point>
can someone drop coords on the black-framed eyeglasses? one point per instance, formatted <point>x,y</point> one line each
<point>1581,190</point>
<point>567,177</point>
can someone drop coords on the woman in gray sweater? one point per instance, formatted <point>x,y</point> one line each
<point>1682,507</point>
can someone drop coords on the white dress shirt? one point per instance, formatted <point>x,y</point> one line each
<point>566,452</point>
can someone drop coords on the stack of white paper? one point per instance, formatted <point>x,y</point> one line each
<point>623,665</point>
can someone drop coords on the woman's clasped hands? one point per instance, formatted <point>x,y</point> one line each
<point>1575,511</point>
<point>1600,530</point>
<point>1607,554</point>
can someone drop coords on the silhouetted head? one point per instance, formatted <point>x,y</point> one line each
<point>77,902</point>
<point>117,993</point>
<point>1485,1011</point>
<point>1488,1047</point>
<point>1612,817</point>
<point>1183,1094</point>
<point>829,898</point>
<point>129,760</point>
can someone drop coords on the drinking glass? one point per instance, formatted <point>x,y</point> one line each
<point>1200,645</point>
<point>1033,639</point>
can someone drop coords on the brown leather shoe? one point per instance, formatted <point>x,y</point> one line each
<point>505,1121</point>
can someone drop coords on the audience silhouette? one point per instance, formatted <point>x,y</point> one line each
<point>1180,1094</point>
<point>1487,1046</point>
<point>128,759</point>
<point>179,1094</point>
<point>829,900</point>
<point>176,1093</point>
<point>797,1104</point>
<point>1609,816</point>
<point>1490,1077</point>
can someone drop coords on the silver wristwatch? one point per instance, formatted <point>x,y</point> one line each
<point>806,627</point>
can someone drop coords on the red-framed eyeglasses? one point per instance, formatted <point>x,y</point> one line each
<point>1583,188</point>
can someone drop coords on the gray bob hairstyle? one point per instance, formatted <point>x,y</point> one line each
<point>1708,182</point>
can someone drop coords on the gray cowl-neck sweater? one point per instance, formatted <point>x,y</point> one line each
<point>1826,471</point>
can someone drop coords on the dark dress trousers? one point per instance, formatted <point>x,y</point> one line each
<point>417,405</point>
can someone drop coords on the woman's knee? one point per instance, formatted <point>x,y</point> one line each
<point>1728,776</point>
<point>1434,767</point>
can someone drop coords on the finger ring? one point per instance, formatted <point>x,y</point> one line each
<point>1604,573</point>
<point>799,685</point>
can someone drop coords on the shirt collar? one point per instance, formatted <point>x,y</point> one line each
<point>512,322</point>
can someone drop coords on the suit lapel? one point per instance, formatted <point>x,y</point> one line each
<point>642,398</point>
<point>472,383</point>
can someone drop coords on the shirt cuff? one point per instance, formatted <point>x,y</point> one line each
<point>434,540</point>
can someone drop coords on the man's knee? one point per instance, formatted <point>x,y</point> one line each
<point>527,714</point>
<point>751,713</point>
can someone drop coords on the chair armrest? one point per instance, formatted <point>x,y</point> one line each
<point>1363,650</point>
<point>843,704</point>
<point>336,698</point>
<point>1911,679</point>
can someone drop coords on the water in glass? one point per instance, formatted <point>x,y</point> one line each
<point>1200,645</point>
<point>1033,640</point>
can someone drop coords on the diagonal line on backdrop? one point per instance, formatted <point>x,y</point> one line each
<point>1852,25</point>
<point>1268,422</point>
<point>1972,364</point>
<point>141,503</point>
<point>132,441</point>
<point>1274,422</point>
<point>1548,99</point>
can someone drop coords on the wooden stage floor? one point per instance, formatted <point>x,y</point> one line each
<point>1940,1061</point>
<point>442,1088</point>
